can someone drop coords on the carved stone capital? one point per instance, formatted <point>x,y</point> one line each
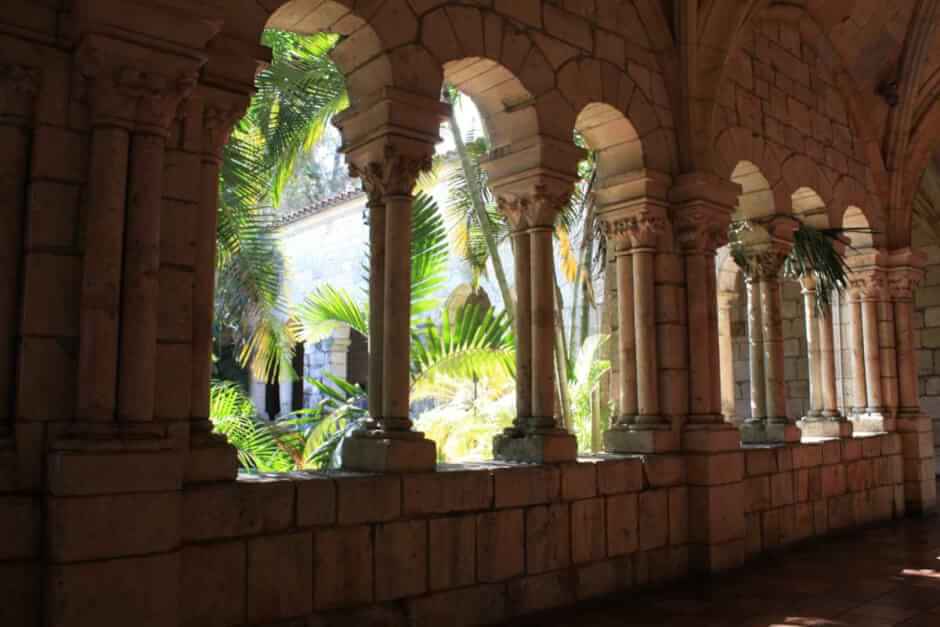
<point>868,284</point>
<point>394,175</point>
<point>700,229</point>
<point>765,263</point>
<point>19,85</point>
<point>537,208</point>
<point>217,125</point>
<point>902,282</point>
<point>635,227</point>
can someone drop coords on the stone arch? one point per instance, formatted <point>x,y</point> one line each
<point>757,198</point>
<point>377,49</point>
<point>849,197</point>
<point>854,218</point>
<point>800,175</point>
<point>810,208</point>
<point>615,139</point>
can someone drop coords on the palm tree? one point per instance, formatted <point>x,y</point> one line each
<point>297,95</point>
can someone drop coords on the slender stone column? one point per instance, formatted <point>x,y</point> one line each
<point>626,340</point>
<point>113,110</point>
<point>764,264</point>
<point>726,302</point>
<point>543,328</point>
<point>377,228</point>
<point>640,224</point>
<point>18,88</point>
<point>812,347</point>
<point>397,328</point>
<point>872,345</point>
<point>386,442</point>
<point>138,347</point>
<point>755,341</point>
<point>827,362</point>
<point>903,297</point>
<point>857,352</point>
<point>523,315</point>
<point>536,436</point>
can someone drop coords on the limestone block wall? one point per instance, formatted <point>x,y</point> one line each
<point>810,490</point>
<point>485,543</point>
<point>927,337</point>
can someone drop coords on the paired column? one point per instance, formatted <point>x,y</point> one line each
<point>634,230</point>
<point>868,286</point>
<point>768,421</point>
<point>386,442</point>
<point>726,303</point>
<point>823,418</point>
<point>535,435</point>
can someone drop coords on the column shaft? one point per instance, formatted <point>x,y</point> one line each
<point>101,274</point>
<point>542,282</point>
<point>523,273</point>
<point>827,363</point>
<point>397,329</point>
<point>645,323</point>
<point>377,228</point>
<point>857,353</point>
<point>700,357</point>
<point>755,337</point>
<point>726,356</point>
<point>626,339</point>
<point>814,356</point>
<point>138,345</point>
<point>203,291</point>
<point>872,355</point>
<point>907,363</point>
<point>714,364</point>
<point>889,363</point>
<point>775,391</point>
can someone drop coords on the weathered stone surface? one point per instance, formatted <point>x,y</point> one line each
<point>212,585</point>
<point>371,498</point>
<point>342,559</point>
<point>445,492</point>
<point>588,534</point>
<point>547,538</point>
<point>540,592</point>
<point>578,481</point>
<point>478,605</point>
<point>267,598</point>
<point>619,476</point>
<point>401,557</point>
<point>316,499</point>
<point>452,547</point>
<point>622,524</point>
<point>654,519</point>
<point>500,545</point>
<point>518,487</point>
<point>20,527</point>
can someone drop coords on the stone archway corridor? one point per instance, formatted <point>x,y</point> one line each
<point>730,441</point>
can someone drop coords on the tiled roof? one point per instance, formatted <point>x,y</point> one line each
<point>317,207</point>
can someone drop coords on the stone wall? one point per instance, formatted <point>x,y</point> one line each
<point>927,336</point>
<point>482,544</point>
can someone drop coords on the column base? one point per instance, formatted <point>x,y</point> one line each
<point>917,449</point>
<point>710,438</point>
<point>641,439</point>
<point>536,448</point>
<point>825,428</point>
<point>769,433</point>
<point>873,422</point>
<point>210,458</point>
<point>388,452</point>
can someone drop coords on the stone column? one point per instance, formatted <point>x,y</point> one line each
<point>755,343</point>
<point>857,353</point>
<point>522,252</point>
<point>156,109</point>
<point>913,426</point>
<point>870,284</point>
<point>18,88</point>
<point>536,436</point>
<point>829,423</point>
<point>639,225</point>
<point>812,348</point>
<point>726,303</point>
<point>626,340</point>
<point>210,457</point>
<point>386,442</point>
<point>764,264</point>
<point>377,227</point>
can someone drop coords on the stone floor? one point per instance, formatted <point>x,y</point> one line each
<point>885,576</point>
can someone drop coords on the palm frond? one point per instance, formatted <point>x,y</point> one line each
<point>328,308</point>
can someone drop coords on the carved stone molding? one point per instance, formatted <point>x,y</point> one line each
<point>765,263</point>
<point>902,282</point>
<point>700,230</point>
<point>217,125</point>
<point>539,208</point>
<point>395,175</point>
<point>639,230</point>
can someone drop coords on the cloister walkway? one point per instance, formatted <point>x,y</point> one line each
<point>887,575</point>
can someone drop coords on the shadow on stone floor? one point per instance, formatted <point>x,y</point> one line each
<point>884,576</point>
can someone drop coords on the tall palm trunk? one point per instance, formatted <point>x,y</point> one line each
<point>479,209</point>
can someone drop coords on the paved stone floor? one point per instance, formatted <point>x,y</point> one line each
<point>884,576</point>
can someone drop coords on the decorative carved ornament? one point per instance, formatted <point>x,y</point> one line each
<point>395,175</point>
<point>700,230</point>
<point>902,282</point>
<point>217,125</point>
<point>639,230</point>
<point>868,284</point>
<point>537,209</point>
<point>763,264</point>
